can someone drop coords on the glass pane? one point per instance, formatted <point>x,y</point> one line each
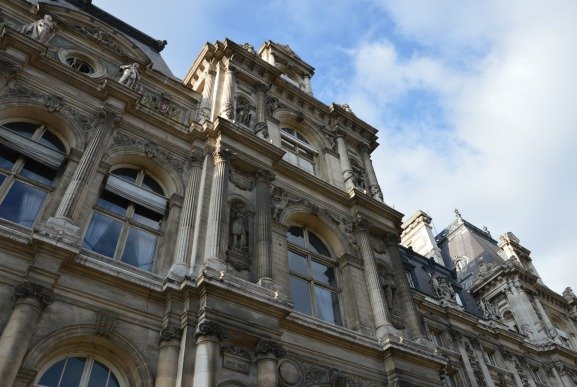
<point>289,131</point>
<point>147,217</point>
<point>296,235</point>
<point>39,172</point>
<point>52,376</point>
<point>2,178</point>
<point>300,295</point>
<point>139,250</point>
<point>327,304</point>
<point>306,165</point>
<point>7,157</point>
<point>52,141</point>
<point>291,158</point>
<point>25,129</point>
<point>288,146</point>
<point>324,273</point>
<point>128,174</point>
<point>102,234</point>
<point>150,184</point>
<point>22,204</point>
<point>113,202</point>
<point>112,381</point>
<point>98,375</point>
<point>317,246</point>
<point>302,138</point>
<point>73,371</point>
<point>298,263</point>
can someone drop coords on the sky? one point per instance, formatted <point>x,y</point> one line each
<point>474,100</point>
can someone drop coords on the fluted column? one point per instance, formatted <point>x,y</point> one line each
<point>374,188</point>
<point>167,368</point>
<point>263,227</point>
<point>30,302</point>
<point>209,334</point>
<point>227,97</point>
<point>548,325</point>
<point>217,207</point>
<point>181,265</point>
<point>346,168</point>
<point>376,298</point>
<point>267,354</point>
<point>523,312</point>
<point>105,123</point>
<point>204,111</point>
<point>261,128</point>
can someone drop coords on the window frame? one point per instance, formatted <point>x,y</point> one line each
<point>33,150</point>
<point>127,220</point>
<point>312,283</point>
<point>86,372</point>
<point>298,146</point>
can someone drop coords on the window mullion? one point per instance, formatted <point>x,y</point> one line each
<point>6,185</point>
<point>122,238</point>
<point>86,373</point>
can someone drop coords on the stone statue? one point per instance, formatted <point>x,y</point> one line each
<point>442,288</point>
<point>238,231</point>
<point>489,310</point>
<point>243,110</point>
<point>279,200</point>
<point>389,287</point>
<point>129,75</point>
<point>39,30</point>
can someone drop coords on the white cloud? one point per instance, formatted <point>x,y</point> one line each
<point>503,77</point>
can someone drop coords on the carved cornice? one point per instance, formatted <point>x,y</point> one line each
<point>170,333</point>
<point>211,328</point>
<point>32,290</point>
<point>267,346</point>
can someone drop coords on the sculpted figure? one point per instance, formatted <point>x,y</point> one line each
<point>243,115</point>
<point>389,287</point>
<point>39,30</point>
<point>442,287</point>
<point>238,231</point>
<point>129,75</point>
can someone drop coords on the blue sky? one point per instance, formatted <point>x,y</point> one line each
<point>474,101</point>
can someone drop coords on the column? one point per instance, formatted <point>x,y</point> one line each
<point>30,302</point>
<point>550,329</point>
<point>524,314</point>
<point>206,102</point>
<point>376,298</point>
<point>209,334</point>
<point>227,101</point>
<point>181,265</point>
<point>167,368</point>
<point>217,208</point>
<point>373,184</point>
<point>105,123</point>
<point>412,318</point>
<point>261,127</point>
<point>346,168</point>
<point>510,365</point>
<point>458,341</point>
<point>263,227</point>
<point>481,360</point>
<point>267,354</point>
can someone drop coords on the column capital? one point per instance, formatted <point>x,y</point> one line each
<point>195,159</point>
<point>223,155</point>
<point>170,333</point>
<point>107,117</point>
<point>507,355</point>
<point>364,149</point>
<point>268,346</point>
<point>391,239</point>
<point>211,328</point>
<point>261,87</point>
<point>30,289</point>
<point>361,223</point>
<point>339,131</point>
<point>264,175</point>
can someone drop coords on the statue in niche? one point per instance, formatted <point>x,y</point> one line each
<point>238,230</point>
<point>389,286</point>
<point>442,288</point>
<point>129,75</point>
<point>243,112</point>
<point>39,30</point>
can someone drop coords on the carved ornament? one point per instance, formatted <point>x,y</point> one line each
<point>266,346</point>
<point>242,180</point>
<point>97,35</point>
<point>150,148</point>
<point>171,333</point>
<point>264,176</point>
<point>162,103</point>
<point>104,324</point>
<point>211,328</point>
<point>222,155</point>
<point>32,290</point>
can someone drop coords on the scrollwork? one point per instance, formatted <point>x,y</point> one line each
<point>266,346</point>
<point>211,328</point>
<point>32,290</point>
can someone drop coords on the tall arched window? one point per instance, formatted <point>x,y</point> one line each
<point>313,281</point>
<point>126,221</point>
<point>78,371</point>
<point>299,152</point>
<point>30,156</point>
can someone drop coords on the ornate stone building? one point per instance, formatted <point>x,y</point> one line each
<point>228,229</point>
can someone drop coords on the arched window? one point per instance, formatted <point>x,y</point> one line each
<point>30,156</point>
<point>299,152</point>
<point>313,282</point>
<point>78,371</point>
<point>126,221</point>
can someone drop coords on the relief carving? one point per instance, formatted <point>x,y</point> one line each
<point>98,36</point>
<point>442,288</point>
<point>280,199</point>
<point>104,324</point>
<point>149,148</point>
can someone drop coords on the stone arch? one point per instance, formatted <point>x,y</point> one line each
<point>116,349</point>
<point>168,175</point>
<point>295,119</point>
<point>70,131</point>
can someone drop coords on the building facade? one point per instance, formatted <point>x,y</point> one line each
<point>228,229</point>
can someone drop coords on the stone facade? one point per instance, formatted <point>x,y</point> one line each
<point>228,229</point>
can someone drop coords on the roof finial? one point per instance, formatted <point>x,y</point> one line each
<point>486,230</point>
<point>458,214</point>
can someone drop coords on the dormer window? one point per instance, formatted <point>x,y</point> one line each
<point>299,152</point>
